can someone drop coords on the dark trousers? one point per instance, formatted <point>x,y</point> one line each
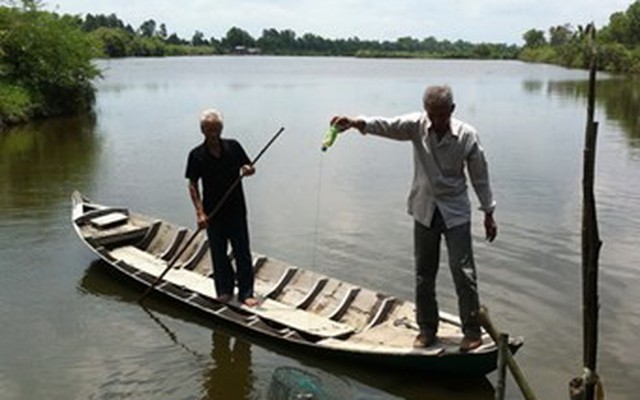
<point>220,234</point>
<point>427,259</point>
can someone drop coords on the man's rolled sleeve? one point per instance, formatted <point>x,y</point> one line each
<point>403,127</point>
<point>479,175</point>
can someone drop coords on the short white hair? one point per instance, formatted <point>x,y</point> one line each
<point>211,115</point>
<point>441,95</point>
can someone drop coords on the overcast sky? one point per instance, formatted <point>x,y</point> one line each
<point>497,21</point>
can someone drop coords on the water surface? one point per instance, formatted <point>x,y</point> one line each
<point>70,330</point>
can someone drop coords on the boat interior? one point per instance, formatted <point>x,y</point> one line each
<point>298,301</point>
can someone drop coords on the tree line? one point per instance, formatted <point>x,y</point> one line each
<point>151,38</point>
<point>46,59</point>
<point>618,44</point>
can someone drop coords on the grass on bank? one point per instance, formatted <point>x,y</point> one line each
<point>45,65</point>
<point>15,103</point>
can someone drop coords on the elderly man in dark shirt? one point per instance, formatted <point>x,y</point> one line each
<point>217,163</point>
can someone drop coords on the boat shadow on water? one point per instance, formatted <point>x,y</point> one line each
<point>330,378</point>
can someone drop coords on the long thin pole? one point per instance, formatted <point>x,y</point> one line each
<point>590,238</point>
<point>215,210</point>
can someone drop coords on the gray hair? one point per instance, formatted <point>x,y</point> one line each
<point>211,115</point>
<point>441,95</point>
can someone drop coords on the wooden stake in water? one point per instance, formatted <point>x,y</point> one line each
<point>518,375</point>
<point>585,386</point>
<point>503,348</point>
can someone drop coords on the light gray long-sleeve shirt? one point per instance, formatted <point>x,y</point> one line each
<point>439,179</point>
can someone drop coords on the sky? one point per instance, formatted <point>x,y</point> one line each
<point>494,21</point>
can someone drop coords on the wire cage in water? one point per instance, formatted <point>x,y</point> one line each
<point>290,383</point>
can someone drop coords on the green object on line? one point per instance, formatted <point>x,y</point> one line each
<point>330,137</point>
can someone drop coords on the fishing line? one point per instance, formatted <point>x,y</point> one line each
<point>329,138</point>
<point>315,230</point>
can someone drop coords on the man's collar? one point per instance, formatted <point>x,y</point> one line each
<point>454,125</point>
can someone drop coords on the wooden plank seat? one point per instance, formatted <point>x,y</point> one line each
<point>400,329</point>
<point>115,234</point>
<point>271,310</point>
<point>391,337</point>
<point>99,212</point>
<point>365,347</point>
<point>109,220</point>
<point>154,266</point>
<point>299,320</point>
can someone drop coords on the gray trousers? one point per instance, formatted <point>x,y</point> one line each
<point>427,259</point>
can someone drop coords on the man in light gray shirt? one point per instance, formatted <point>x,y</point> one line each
<point>439,203</point>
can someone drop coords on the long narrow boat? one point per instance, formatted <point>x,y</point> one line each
<point>298,307</point>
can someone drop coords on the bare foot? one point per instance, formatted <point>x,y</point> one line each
<point>251,302</point>
<point>225,298</point>
<point>468,343</point>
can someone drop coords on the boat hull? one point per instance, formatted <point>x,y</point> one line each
<point>299,309</point>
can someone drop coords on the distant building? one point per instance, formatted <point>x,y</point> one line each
<point>243,50</point>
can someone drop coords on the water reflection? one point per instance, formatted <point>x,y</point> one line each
<point>42,161</point>
<point>230,374</point>
<point>618,97</point>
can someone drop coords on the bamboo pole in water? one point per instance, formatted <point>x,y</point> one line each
<point>503,348</point>
<point>518,375</point>
<point>584,387</point>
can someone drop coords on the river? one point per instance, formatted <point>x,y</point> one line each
<point>72,331</point>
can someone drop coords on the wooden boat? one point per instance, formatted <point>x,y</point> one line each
<point>298,307</point>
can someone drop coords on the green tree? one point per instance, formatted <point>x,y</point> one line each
<point>162,31</point>
<point>93,22</point>
<point>614,57</point>
<point>148,28</point>
<point>237,37</point>
<point>198,39</point>
<point>633,14</point>
<point>270,41</point>
<point>560,35</point>
<point>113,42</point>
<point>618,29</point>
<point>534,38</point>
<point>175,40</point>
<point>314,44</point>
<point>49,56</point>
<point>407,44</point>
<point>148,47</point>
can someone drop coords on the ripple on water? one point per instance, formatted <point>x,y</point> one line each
<point>156,372</point>
<point>8,388</point>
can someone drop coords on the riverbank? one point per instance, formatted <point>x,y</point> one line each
<point>46,65</point>
<point>530,276</point>
<point>19,104</point>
